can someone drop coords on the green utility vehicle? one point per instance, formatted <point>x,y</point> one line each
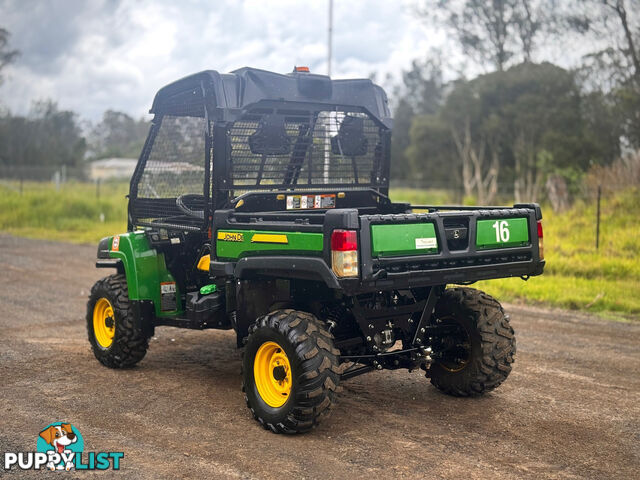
<point>260,204</point>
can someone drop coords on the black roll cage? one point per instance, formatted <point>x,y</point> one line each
<point>217,185</point>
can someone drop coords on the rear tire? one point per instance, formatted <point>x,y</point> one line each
<point>484,361</point>
<point>112,324</point>
<point>297,397</point>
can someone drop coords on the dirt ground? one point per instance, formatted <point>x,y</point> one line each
<point>570,409</point>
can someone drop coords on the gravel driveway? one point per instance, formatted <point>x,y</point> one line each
<point>570,409</point>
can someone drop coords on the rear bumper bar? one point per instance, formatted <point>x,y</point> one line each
<point>421,278</point>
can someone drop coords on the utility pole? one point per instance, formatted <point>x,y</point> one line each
<point>330,39</point>
<point>327,126</point>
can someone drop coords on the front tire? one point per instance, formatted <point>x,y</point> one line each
<point>290,371</point>
<point>476,354</point>
<point>112,324</point>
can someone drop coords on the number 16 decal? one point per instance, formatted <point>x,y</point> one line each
<point>502,230</point>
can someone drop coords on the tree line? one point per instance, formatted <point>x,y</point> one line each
<point>50,136</point>
<point>524,122</point>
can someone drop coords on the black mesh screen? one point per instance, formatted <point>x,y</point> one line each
<point>176,162</point>
<point>270,151</point>
<point>175,167</point>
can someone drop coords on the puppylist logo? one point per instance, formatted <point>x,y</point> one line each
<point>61,447</point>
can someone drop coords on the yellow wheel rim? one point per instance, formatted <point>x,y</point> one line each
<point>104,324</point>
<point>272,374</point>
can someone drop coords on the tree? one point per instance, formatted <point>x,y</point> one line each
<point>469,116</point>
<point>602,124</point>
<point>118,135</point>
<point>611,22</point>
<point>614,67</point>
<point>47,136</point>
<point>429,153</point>
<point>493,33</point>
<point>515,126</point>
<point>423,85</point>
<point>542,125</point>
<point>421,93</point>
<point>6,54</point>
<point>402,118</point>
<point>619,8</point>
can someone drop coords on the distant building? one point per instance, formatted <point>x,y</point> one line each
<point>112,168</point>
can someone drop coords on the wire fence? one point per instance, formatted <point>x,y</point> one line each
<point>555,193</point>
<point>20,178</point>
<point>44,173</point>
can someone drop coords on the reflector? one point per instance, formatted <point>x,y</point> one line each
<point>540,242</point>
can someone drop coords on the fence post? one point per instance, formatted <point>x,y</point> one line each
<point>598,218</point>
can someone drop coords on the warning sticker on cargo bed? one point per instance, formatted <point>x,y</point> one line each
<point>168,296</point>
<point>430,242</point>
<point>304,202</point>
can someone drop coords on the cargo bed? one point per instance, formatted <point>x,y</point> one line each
<point>451,244</point>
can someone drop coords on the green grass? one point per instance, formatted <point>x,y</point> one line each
<point>72,214</point>
<point>606,281</point>
<point>577,276</point>
<point>421,197</point>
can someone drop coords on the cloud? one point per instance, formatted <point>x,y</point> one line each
<point>91,56</point>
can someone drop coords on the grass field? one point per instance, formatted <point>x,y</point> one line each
<point>606,281</point>
<point>73,214</point>
<point>577,275</point>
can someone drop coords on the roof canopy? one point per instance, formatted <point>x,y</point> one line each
<point>246,87</point>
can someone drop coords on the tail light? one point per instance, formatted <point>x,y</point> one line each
<point>344,253</point>
<point>540,237</point>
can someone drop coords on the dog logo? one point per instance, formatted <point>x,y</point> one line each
<point>64,441</point>
<point>61,447</point>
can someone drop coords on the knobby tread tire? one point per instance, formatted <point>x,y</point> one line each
<point>129,343</point>
<point>493,343</point>
<point>315,370</point>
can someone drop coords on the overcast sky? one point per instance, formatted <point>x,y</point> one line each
<point>91,55</point>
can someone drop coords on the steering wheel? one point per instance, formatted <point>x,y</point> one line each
<point>191,204</point>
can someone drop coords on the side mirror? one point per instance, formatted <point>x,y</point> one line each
<point>271,137</point>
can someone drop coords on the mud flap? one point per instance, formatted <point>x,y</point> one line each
<point>144,313</point>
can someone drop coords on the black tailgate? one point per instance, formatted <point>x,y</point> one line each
<point>462,250</point>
